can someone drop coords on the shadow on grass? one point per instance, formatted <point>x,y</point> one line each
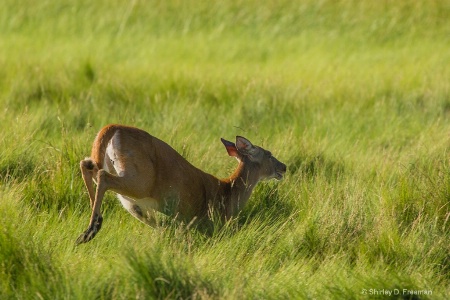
<point>16,169</point>
<point>159,275</point>
<point>24,269</point>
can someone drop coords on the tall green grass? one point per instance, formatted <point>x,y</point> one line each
<point>352,95</point>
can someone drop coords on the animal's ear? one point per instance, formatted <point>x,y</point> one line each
<point>231,148</point>
<point>245,146</point>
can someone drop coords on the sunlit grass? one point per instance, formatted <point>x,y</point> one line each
<point>352,95</point>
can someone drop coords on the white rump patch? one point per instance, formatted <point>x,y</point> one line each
<point>112,153</point>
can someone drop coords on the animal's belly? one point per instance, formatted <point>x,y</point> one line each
<point>143,209</point>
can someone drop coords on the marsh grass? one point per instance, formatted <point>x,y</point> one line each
<point>352,95</point>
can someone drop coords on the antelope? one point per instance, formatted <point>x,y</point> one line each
<point>148,175</point>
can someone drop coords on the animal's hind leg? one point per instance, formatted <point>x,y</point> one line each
<point>89,171</point>
<point>107,181</point>
<point>95,223</point>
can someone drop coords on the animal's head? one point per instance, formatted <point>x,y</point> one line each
<point>259,159</point>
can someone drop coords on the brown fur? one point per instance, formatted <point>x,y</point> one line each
<point>152,175</point>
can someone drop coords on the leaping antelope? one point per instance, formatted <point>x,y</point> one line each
<point>148,175</point>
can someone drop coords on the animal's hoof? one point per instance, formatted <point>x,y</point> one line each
<point>90,233</point>
<point>85,236</point>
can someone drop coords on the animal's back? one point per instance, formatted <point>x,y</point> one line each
<point>160,172</point>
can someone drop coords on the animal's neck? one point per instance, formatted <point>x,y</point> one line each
<point>239,186</point>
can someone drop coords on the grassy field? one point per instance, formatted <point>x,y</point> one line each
<point>354,96</point>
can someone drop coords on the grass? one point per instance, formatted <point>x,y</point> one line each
<point>352,95</point>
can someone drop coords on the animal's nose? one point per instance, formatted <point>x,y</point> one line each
<point>283,168</point>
